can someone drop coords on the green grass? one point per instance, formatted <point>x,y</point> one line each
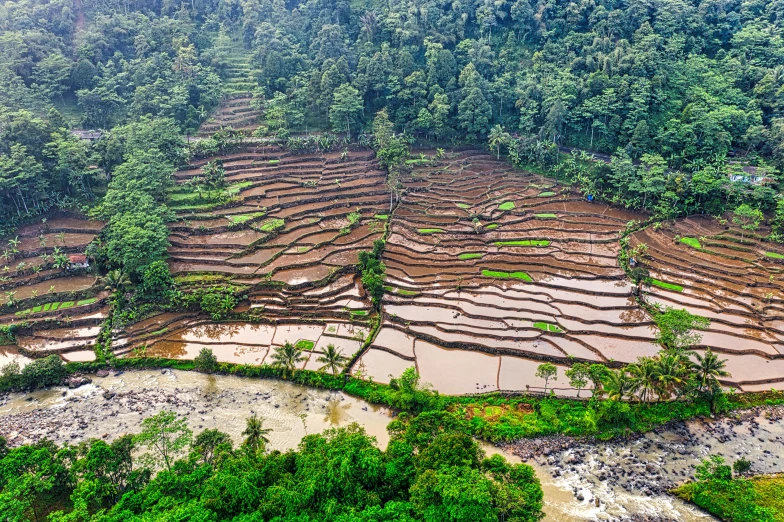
<point>51,307</point>
<point>430,230</point>
<point>668,286</point>
<point>199,278</point>
<point>770,491</point>
<point>470,255</point>
<point>507,275</point>
<point>546,194</point>
<point>402,291</point>
<point>546,216</point>
<point>524,242</point>
<point>418,161</point>
<point>491,226</point>
<point>359,313</point>
<point>774,255</point>
<point>463,206</point>
<point>383,217</point>
<point>304,344</point>
<point>506,205</point>
<point>273,162</point>
<point>692,242</point>
<point>242,218</point>
<point>547,327</point>
<point>271,225</point>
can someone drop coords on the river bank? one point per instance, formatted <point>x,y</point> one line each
<point>116,404</point>
<point>628,477</point>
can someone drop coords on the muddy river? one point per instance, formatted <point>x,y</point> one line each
<point>623,480</point>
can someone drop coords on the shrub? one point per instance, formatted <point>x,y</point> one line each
<point>206,361</point>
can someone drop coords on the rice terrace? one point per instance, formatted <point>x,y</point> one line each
<point>490,270</point>
<point>376,261</point>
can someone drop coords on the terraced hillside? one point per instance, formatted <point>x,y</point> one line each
<point>491,271</point>
<point>722,272</point>
<point>234,111</point>
<point>59,306</point>
<point>290,238</point>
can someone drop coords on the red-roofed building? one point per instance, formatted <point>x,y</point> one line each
<point>78,261</point>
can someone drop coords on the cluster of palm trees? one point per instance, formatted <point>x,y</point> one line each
<point>670,374</point>
<point>289,356</point>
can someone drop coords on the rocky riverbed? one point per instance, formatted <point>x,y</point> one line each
<point>629,479</point>
<point>115,404</point>
<point>582,480</point>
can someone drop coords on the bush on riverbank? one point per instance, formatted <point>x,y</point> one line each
<point>734,498</point>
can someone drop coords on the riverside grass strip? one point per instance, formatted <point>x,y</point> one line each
<point>558,415</point>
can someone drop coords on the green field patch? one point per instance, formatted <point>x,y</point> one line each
<point>50,307</point>
<point>774,255</point>
<point>667,286</point>
<point>491,226</point>
<point>546,216</point>
<point>547,327</point>
<point>304,344</point>
<point>506,205</point>
<point>83,302</point>
<point>547,194</point>
<point>383,217</point>
<point>242,218</point>
<point>271,225</point>
<point>199,278</point>
<point>358,313</point>
<point>524,242</point>
<point>430,231</point>
<point>402,291</point>
<point>273,162</point>
<point>507,275</point>
<point>418,161</point>
<point>464,206</point>
<point>470,255</point>
<point>692,242</point>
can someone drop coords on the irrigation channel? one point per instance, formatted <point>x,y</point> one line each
<point>624,480</point>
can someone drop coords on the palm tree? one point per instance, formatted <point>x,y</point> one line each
<point>496,138</point>
<point>618,385</point>
<point>115,280</point>
<point>671,374</point>
<point>709,368</point>
<point>287,357</point>
<point>333,359</point>
<point>643,376</point>
<point>255,435</point>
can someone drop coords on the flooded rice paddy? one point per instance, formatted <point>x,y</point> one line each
<point>489,272</point>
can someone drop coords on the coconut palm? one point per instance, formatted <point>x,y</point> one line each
<point>708,369</point>
<point>671,374</point>
<point>333,359</point>
<point>115,280</point>
<point>618,385</point>
<point>643,376</point>
<point>287,357</point>
<point>496,138</point>
<point>255,434</point>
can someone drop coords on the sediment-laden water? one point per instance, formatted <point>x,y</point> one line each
<point>582,481</point>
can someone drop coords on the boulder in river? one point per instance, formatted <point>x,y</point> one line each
<point>102,373</point>
<point>77,380</point>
